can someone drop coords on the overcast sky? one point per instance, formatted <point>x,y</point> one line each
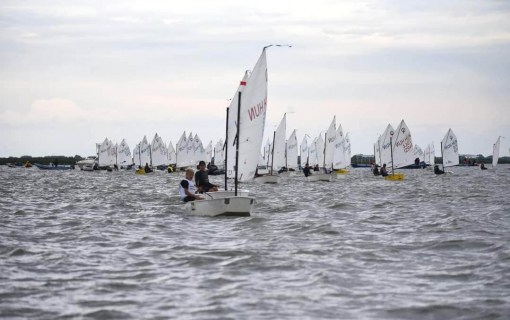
<point>75,72</point>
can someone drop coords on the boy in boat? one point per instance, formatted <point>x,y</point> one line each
<point>316,168</point>
<point>376,170</point>
<point>306,170</point>
<point>437,170</point>
<point>147,169</point>
<point>187,188</point>
<point>202,180</point>
<point>384,172</point>
<point>482,166</point>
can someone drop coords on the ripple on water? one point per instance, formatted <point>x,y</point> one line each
<point>76,245</point>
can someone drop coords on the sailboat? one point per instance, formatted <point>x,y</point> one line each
<point>449,151</point>
<point>159,157</point>
<point>385,151</point>
<point>327,154</point>
<point>172,154</point>
<point>495,154</point>
<point>251,117</point>
<point>402,152</point>
<point>277,155</point>
<point>340,155</point>
<point>123,155</point>
<point>208,152</point>
<point>181,156</point>
<point>291,156</point>
<point>105,154</point>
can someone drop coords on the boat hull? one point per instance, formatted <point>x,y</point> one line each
<point>320,177</point>
<point>267,179</point>
<point>415,166</point>
<point>396,176</point>
<point>58,168</point>
<point>288,174</point>
<point>222,194</point>
<point>142,171</point>
<point>234,207</point>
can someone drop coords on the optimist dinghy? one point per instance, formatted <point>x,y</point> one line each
<point>449,152</point>
<point>402,151</point>
<point>244,139</point>
<point>278,158</point>
<point>495,154</point>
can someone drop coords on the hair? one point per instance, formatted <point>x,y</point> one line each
<point>201,163</point>
<point>190,170</point>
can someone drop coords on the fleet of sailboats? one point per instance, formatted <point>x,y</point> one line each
<point>239,156</point>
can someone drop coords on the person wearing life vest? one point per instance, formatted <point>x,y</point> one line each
<point>376,170</point>
<point>384,172</point>
<point>187,189</point>
<point>482,166</point>
<point>202,180</point>
<point>437,170</point>
<point>306,170</point>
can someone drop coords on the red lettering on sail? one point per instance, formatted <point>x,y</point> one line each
<point>256,111</point>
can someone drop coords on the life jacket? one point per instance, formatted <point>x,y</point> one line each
<point>191,189</point>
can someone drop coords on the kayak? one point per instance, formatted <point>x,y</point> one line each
<point>45,167</point>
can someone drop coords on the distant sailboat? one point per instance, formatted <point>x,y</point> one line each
<point>402,151</point>
<point>495,153</point>
<point>277,155</point>
<point>450,150</point>
<point>340,162</point>
<point>291,156</point>
<point>123,155</point>
<point>328,149</point>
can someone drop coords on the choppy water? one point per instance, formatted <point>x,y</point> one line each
<point>118,246</point>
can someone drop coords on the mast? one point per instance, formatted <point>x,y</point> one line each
<point>391,147</point>
<point>272,153</point>
<point>237,140</point>
<point>286,165</point>
<point>442,155</point>
<point>226,153</point>
<point>324,152</point>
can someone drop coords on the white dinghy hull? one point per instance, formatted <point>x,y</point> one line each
<point>267,179</point>
<point>320,177</point>
<point>222,194</point>
<point>288,174</point>
<point>235,206</point>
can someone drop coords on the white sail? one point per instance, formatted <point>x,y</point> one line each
<point>253,119</point>
<point>136,155</point>
<point>347,149</point>
<point>386,146</point>
<point>292,151</point>
<point>158,152</point>
<point>403,150</point>
<point>426,154</point>
<point>261,161</point>
<point>219,154</point>
<point>104,156</point>
<point>279,144</point>
<point>112,153</point>
<point>377,151</point>
<point>145,152</point>
<point>182,151</point>
<point>313,159</point>
<point>339,159</point>
<point>232,128</point>
<point>330,144</point>
<point>267,152</point>
<point>199,150</point>
<point>191,151</point>
<point>320,151</point>
<point>208,152</point>
<point>495,153</point>
<point>123,154</point>
<point>172,154</point>
<point>304,151</point>
<point>450,149</point>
